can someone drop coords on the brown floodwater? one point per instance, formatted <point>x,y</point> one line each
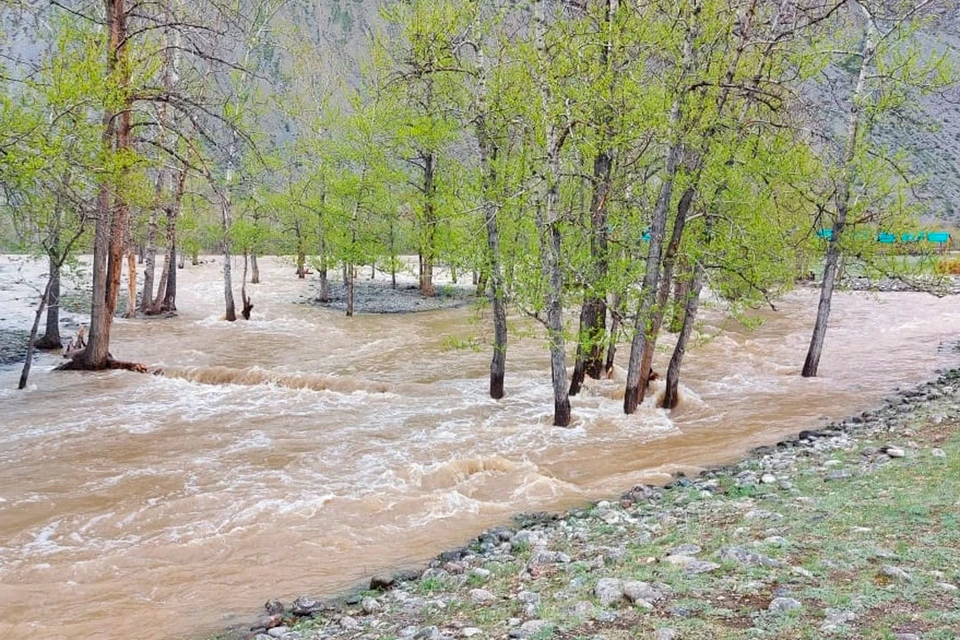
<point>302,451</point>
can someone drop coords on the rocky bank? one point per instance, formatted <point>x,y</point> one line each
<point>848,531</point>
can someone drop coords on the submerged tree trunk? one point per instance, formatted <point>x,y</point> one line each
<point>247,303</point>
<point>150,260</point>
<point>834,249</point>
<point>549,224</point>
<point>51,336</point>
<point>593,313</point>
<point>351,277</point>
<point>612,336</point>
<point>663,295</point>
<point>231,309</point>
<point>671,396</point>
<point>255,267</point>
<point>31,343</point>
<point>488,157</point>
<point>173,213</point>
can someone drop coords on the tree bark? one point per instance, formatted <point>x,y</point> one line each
<point>670,395</point>
<point>51,335</point>
<point>351,278</point>
<point>31,343</point>
<point>231,309</point>
<point>612,335</point>
<point>173,214</point>
<point>834,249</point>
<point>428,249</point>
<point>131,283</point>
<point>255,268</point>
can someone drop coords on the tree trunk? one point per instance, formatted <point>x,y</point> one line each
<point>173,214</point>
<point>681,289</point>
<point>428,250</point>
<point>51,336</point>
<point>612,336</point>
<point>488,156</point>
<point>548,221</point>
<point>150,260</point>
<point>638,377</point>
<point>247,303</point>
<point>663,294</point>
<point>231,309</point>
<point>131,284</point>
<point>351,277</point>
<point>255,279</point>
<point>593,313</point>
<point>834,250</point>
<point>28,363</point>
<point>113,212</point>
<point>670,395</point>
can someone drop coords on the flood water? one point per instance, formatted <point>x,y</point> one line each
<point>302,451</point>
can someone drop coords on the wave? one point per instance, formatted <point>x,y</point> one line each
<point>254,376</point>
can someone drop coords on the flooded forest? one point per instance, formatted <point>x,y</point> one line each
<point>293,292</point>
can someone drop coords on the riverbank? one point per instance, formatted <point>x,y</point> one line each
<point>849,531</point>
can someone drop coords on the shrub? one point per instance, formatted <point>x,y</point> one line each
<point>948,266</point>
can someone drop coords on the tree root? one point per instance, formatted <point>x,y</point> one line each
<point>111,364</point>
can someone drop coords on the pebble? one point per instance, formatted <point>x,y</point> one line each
<point>469,632</point>
<point>666,634</point>
<point>768,478</point>
<point>938,453</point>
<point>744,557</point>
<point>946,586</point>
<point>481,574</point>
<point>636,591</point>
<point>907,636</point>
<point>370,606</point>
<point>278,632</point>
<point>895,452</point>
<point>780,606</point>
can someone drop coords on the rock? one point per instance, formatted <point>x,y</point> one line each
<point>480,574</point>
<point>666,634</point>
<point>469,632</point>
<point>608,591</point>
<point>634,591</point>
<point>692,565</point>
<point>946,586</point>
<point>528,597</point>
<point>938,453</point>
<point>543,557</point>
<point>907,636</point>
<point>744,557</point>
<point>278,632</point>
<point>370,606</point>
<point>435,574</point>
<point>452,555</point>
<point>780,606</point>
<point>427,633</point>
<point>835,618</point>
<point>684,550</point>
<point>304,606</point>
<point>348,623</point>
<point>896,573</point>
<point>800,571</point>
<point>583,610</point>
<point>895,452</point>
<point>267,621</point>
<point>760,514</point>
<point>533,628</point>
<point>482,596</point>
<point>381,582</point>
<point>274,607</point>
<point>768,478</point>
